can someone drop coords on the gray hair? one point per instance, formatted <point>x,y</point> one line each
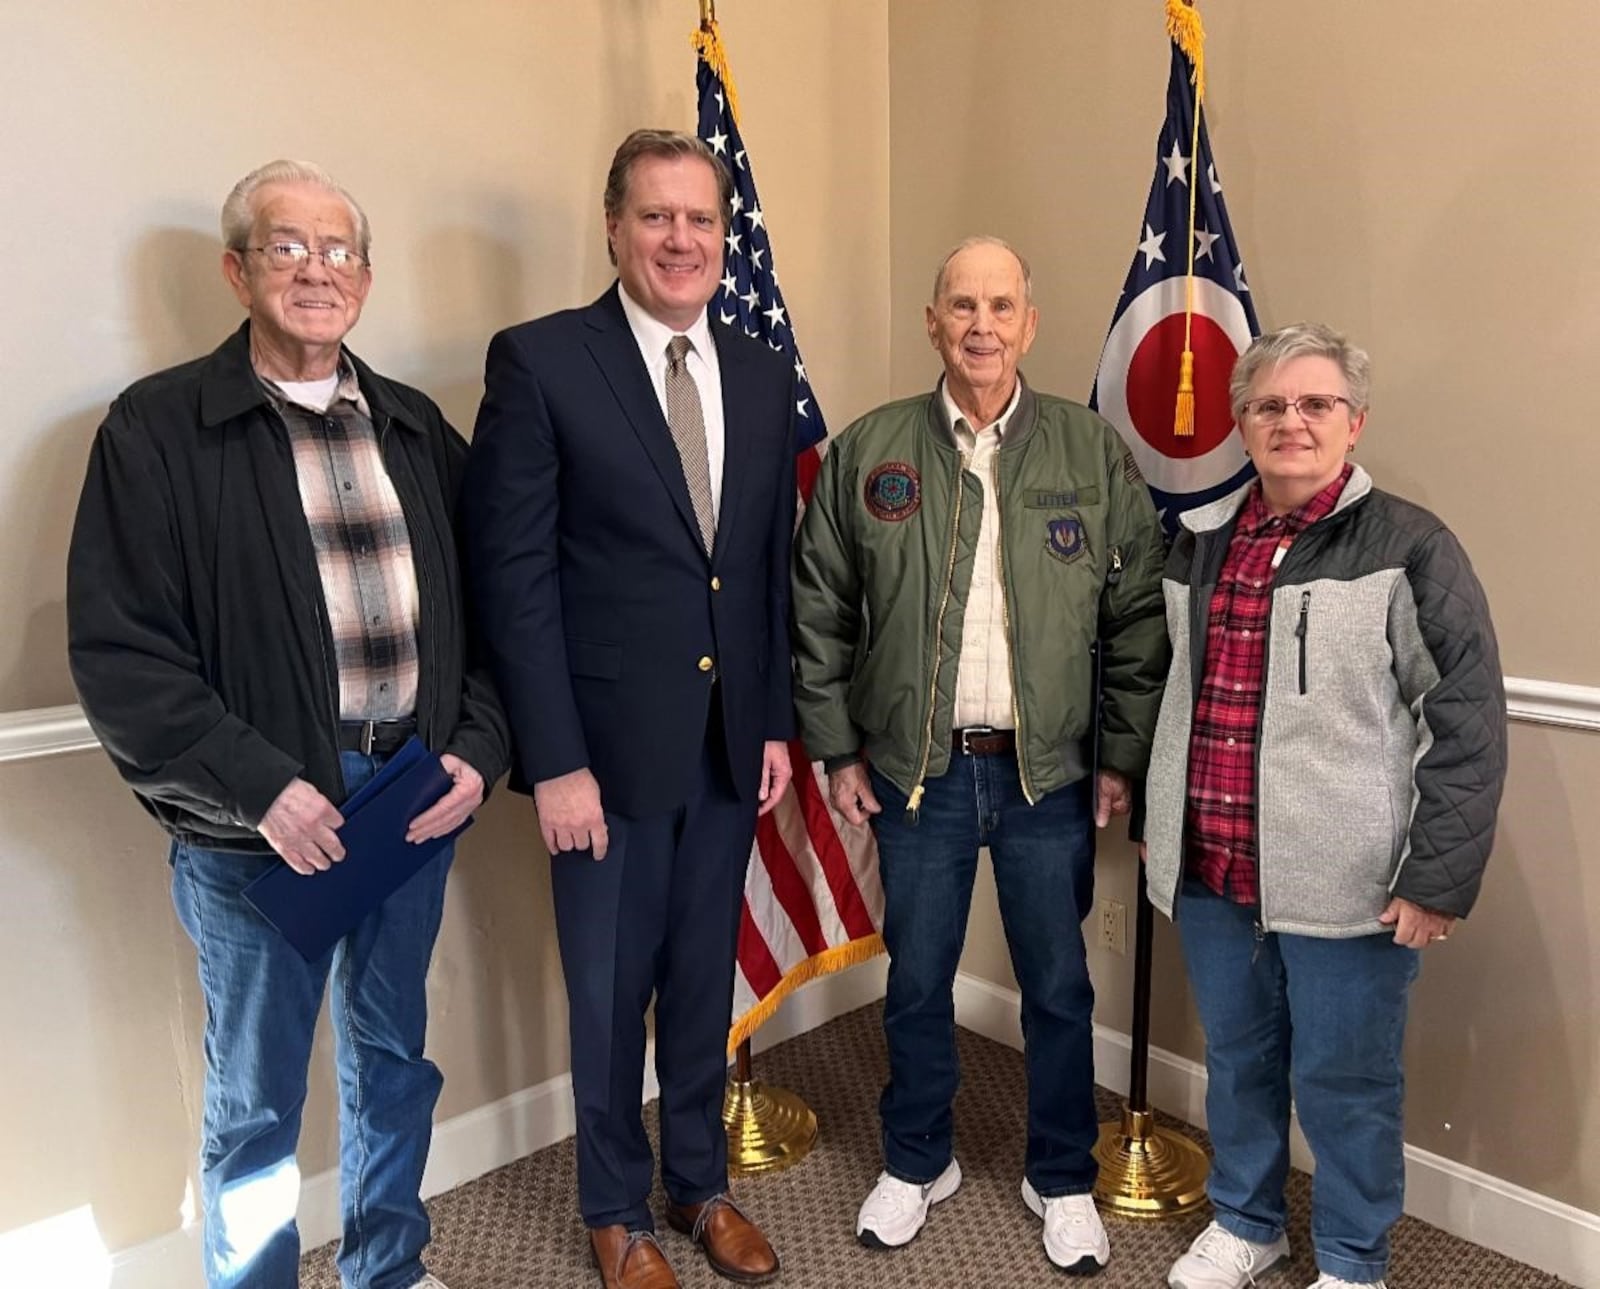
<point>670,145</point>
<point>1302,340</point>
<point>966,244</point>
<point>239,215</point>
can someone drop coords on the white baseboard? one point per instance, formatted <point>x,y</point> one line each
<point>1522,1224</point>
<point>479,1141</point>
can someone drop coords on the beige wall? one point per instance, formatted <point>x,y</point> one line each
<point>1399,179</point>
<point>1417,176</point>
<point>476,135</point>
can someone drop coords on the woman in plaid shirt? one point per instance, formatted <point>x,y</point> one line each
<point>1322,797</point>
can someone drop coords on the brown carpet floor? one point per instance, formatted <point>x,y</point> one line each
<point>517,1227</point>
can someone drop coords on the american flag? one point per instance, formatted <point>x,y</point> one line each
<point>1137,383</point>
<point>812,900</point>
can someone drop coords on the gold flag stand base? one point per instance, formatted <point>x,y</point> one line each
<point>769,1129</point>
<point>1146,1171</point>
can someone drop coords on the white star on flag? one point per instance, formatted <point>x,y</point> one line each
<point>775,314</point>
<point>718,142</point>
<point>1238,277</point>
<point>1177,165</point>
<point>1205,240</point>
<point>755,215</point>
<point>1151,246</point>
<point>733,243</point>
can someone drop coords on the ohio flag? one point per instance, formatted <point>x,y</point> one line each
<point>1136,385</point>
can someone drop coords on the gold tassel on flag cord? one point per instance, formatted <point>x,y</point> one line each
<point>708,43</point>
<point>1183,25</point>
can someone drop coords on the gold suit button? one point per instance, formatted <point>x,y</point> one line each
<point>705,663</point>
<point>716,584</point>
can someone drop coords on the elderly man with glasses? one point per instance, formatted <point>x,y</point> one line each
<point>964,553</point>
<point>264,603</point>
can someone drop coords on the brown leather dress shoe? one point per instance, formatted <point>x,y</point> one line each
<point>733,1244</point>
<point>630,1259</point>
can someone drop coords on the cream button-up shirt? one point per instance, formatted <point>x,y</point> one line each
<point>983,672</point>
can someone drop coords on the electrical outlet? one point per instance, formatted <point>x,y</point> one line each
<point>1114,926</point>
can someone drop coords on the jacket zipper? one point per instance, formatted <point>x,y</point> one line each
<point>1300,634</point>
<point>1261,722</point>
<point>914,801</point>
<point>1005,622</point>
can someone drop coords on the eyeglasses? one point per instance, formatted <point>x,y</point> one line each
<point>283,256</point>
<point>1311,407</point>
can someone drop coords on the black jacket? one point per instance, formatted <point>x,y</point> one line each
<point>197,633</point>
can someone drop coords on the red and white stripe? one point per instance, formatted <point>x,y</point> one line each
<point>812,899</point>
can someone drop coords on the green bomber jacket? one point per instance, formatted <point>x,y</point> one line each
<point>882,566</point>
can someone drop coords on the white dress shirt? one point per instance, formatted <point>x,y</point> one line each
<point>652,337</point>
<point>983,672</point>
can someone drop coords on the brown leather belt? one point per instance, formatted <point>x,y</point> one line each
<point>980,740</point>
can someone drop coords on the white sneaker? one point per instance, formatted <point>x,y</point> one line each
<point>1074,1237</point>
<point>430,1281</point>
<point>1219,1259</point>
<point>895,1211</point>
<point>1325,1281</point>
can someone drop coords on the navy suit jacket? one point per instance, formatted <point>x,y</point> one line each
<point>595,594</point>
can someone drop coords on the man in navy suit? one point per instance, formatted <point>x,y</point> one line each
<point>629,505</point>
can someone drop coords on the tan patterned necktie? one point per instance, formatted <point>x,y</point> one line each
<point>688,425</point>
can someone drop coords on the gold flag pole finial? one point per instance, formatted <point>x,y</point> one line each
<point>707,41</point>
<point>1184,26</point>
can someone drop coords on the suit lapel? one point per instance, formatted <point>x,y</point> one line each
<point>616,353</point>
<point>736,402</point>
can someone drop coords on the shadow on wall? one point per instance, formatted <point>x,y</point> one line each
<point>40,502</point>
<point>468,285</point>
<point>179,307</point>
<point>179,304</point>
<point>1500,1049</point>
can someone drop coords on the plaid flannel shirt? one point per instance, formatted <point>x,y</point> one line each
<point>1220,816</point>
<point>363,549</point>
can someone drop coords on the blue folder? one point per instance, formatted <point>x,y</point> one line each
<point>314,913</point>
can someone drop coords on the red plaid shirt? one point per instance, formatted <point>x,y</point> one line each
<point>1220,820</point>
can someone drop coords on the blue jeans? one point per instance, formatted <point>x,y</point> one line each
<point>1324,1019</point>
<point>1043,858</point>
<point>262,1001</point>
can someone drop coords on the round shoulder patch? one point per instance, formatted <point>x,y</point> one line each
<point>894,491</point>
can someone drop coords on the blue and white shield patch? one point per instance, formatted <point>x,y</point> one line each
<point>1064,538</point>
